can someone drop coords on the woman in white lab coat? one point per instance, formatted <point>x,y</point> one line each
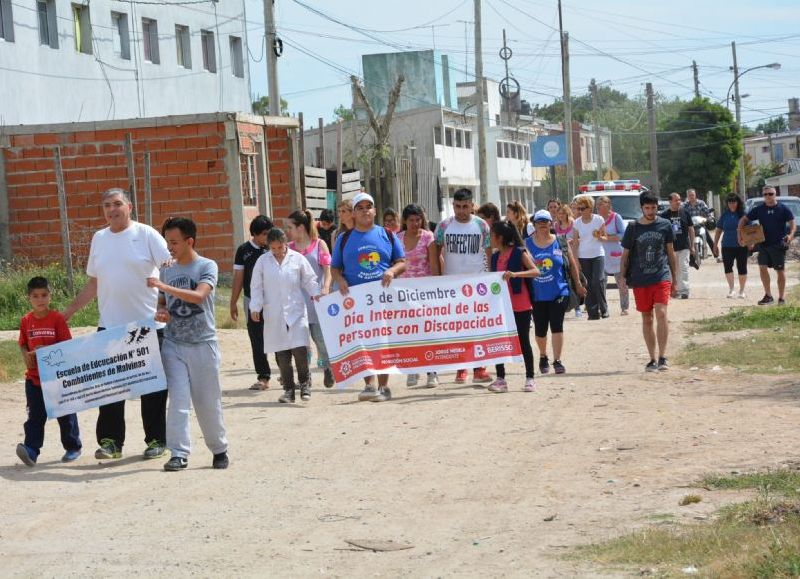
<point>275,294</point>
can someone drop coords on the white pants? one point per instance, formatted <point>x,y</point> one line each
<point>192,372</point>
<point>683,271</point>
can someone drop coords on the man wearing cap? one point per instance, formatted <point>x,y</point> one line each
<point>774,217</point>
<point>348,269</point>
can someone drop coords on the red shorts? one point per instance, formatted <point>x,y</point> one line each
<point>646,297</point>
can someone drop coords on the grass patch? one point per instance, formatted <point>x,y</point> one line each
<point>14,295</point>
<point>690,500</point>
<point>222,315</point>
<point>12,367</point>
<point>751,319</point>
<point>784,482</point>
<point>765,352</point>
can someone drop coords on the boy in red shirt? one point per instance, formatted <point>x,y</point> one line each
<point>43,327</point>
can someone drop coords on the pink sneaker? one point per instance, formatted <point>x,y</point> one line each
<point>499,385</point>
<point>529,385</point>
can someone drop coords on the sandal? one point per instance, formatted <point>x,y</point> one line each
<point>260,385</point>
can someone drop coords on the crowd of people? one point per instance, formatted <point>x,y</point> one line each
<point>554,261</point>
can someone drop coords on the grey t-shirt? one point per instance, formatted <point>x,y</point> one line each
<point>191,323</point>
<point>649,260</point>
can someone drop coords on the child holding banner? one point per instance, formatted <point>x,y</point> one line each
<point>190,352</point>
<point>42,327</point>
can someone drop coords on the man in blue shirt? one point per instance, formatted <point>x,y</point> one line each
<point>367,253</point>
<point>773,217</point>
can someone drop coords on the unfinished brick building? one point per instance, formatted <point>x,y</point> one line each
<point>221,169</point>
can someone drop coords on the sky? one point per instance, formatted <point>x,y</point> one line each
<point>621,43</point>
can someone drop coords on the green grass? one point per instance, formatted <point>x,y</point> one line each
<point>751,319</point>
<point>14,296</point>
<point>12,367</point>
<point>766,352</point>
<point>786,482</point>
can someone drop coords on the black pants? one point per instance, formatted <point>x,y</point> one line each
<point>548,315</point>
<point>594,270</point>
<point>729,254</point>
<point>284,359</point>
<point>37,417</point>
<point>523,321</point>
<point>111,420</point>
<point>255,330</point>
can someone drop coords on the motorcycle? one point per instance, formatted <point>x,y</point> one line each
<point>700,247</point>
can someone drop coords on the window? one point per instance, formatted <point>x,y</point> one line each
<point>448,137</point>
<point>527,151</point>
<point>119,35</point>
<point>182,46</point>
<point>237,63</point>
<point>765,149</point>
<point>150,40</point>
<point>6,21</point>
<point>459,138</point>
<point>83,28</point>
<point>48,26</point>
<point>513,149</point>
<point>209,53</point>
<point>791,146</point>
<point>437,135</point>
<point>499,150</point>
<point>506,152</point>
<point>249,179</point>
<point>467,139</point>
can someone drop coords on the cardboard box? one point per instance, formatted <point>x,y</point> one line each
<point>752,234</point>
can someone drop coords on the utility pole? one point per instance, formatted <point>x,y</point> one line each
<point>593,90</point>
<point>481,96</point>
<point>273,51</point>
<point>567,104</point>
<point>651,126</point>
<point>696,80</point>
<point>742,179</point>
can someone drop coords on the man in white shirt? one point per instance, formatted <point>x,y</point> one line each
<point>465,248</point>
<point>122,257</point>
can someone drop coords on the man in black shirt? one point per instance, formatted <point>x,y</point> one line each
<point>246,256</point>
<point>684,240</point>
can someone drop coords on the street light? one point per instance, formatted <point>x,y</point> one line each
<point>738,101</point>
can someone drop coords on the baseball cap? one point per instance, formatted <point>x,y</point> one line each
<point>362,197</point>
<point>542,215</point>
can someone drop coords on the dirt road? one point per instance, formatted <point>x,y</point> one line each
<point>480,484</point>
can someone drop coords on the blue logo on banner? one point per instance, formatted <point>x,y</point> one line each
<point>333,310</point>
<point>549,151</point>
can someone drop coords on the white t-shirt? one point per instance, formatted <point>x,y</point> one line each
<point>589,246</point>
<point>122,262</point>
<point>463,245</point>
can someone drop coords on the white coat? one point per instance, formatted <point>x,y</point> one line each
<point>275,291</point>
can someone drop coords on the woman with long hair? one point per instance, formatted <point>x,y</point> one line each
<point>345,213</point>
<point>422,260</point>
<point>512,258</point>
<point>305,241</point>
<point>391,220</point>
<point>589,229</point>
<point>563,226</point>
<point>727,225</point>
<point>518,216</point>
<point>612,244</point>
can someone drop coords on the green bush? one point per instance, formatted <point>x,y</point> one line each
<point>14,295</point>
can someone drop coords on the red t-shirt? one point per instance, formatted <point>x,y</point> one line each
<point>35,332</point>
<point>520,302</point>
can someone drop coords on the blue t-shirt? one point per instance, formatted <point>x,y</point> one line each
<point>729,223</point>
<point>773,220</point>
<point>551,283</point>
<point>367,254</point>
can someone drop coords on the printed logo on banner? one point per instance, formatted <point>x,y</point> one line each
<point>346,368</point>
<point>478,351</point>
<point>54,358</point>
<point>369,260</point>
<point>496,289</point>
<point>481,288</point>
<point>333,310</point>
<point>429,355</point>
<point>348,303</point>
<point>466,289</point>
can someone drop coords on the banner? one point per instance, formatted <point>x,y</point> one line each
<point>417,325</point>
<point>116,364</point>
<point>549,151</point>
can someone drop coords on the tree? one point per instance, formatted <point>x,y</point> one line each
<point>774,125</point>
<point>343,114</point>
<point>261,106</point>
<point>699,148</point>
<point>764,172</point>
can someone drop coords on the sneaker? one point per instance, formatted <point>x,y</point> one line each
<point>544,365</point>
<point>529,386</point>
<point>176,463</point>
<point>662,364</point>
<point>765,300</point>
<point>221,461</point>
<point>305,392</point>
<point>154,450</point>
<point>71,455</point>
<point>781,302</point>
<point>461,376</point>
<point>412,380</point>
<point>25,455</point>
<point>480,375</point>
<point>558,367</point>
<point>652,366</point>
<point>499,385</point>
<point>433,381</point>
<point>287,397</point>
<point>624,313</point>
<point>384,395</point>
<point>328,380</point>
<point>605,315</point>
<point>367,394</point>
<point>108,449</point>
<point>578,313</point>
<point>260,384</point>
<point>731,294</point>
<point>684,296</point>
<point>742,295</point>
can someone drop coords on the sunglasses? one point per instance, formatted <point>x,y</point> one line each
<point>769,194</point>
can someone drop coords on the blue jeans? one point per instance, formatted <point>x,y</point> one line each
<point>37,416</point>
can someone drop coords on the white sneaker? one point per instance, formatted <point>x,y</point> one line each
<point>412,380</point>
<point>433,381</point>
<point>742,295</point>
<point>578,313</point>
<point>731,294</point>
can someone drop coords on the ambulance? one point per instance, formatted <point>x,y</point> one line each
<point>624,195</point>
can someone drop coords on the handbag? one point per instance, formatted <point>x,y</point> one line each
<point>573,300</point>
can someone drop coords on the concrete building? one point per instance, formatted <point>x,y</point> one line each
<point>774,148</point>
<point>62,61</point>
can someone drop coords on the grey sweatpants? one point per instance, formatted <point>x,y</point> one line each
<point>193,379</point>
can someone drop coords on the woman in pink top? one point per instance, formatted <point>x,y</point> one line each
<point>422,260</point>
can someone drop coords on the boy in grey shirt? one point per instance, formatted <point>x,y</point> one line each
<point>190,352</point>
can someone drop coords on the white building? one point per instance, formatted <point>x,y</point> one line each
<point>63,61</point>
<point>774,148</point>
